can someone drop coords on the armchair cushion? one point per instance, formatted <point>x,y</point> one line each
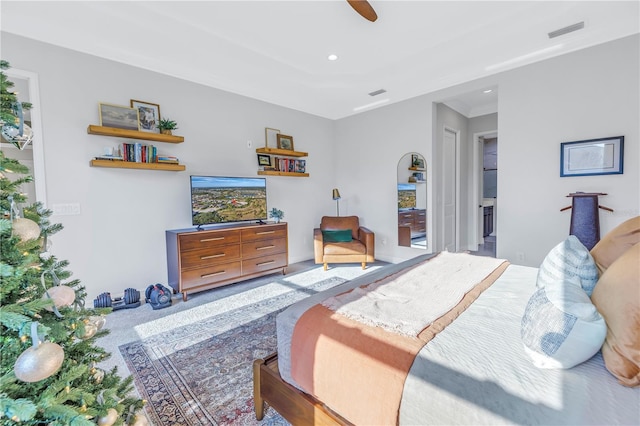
<point>337,223</point>
<point>336,236</point>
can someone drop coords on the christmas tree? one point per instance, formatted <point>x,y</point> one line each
<point>49,362</point>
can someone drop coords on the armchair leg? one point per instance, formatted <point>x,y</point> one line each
<point>325,266</point>
<point>364,265</point>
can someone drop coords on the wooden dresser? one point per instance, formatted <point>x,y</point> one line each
<point>412,223</point>
<point>199,260</point>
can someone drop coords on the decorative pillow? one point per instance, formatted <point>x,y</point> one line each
<point>561,327</point>
<point>569,261</point>
<point>615,243</point>
<point>617,297</point>
<point>336,236</point>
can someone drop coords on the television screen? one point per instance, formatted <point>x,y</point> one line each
<point>406,196</point>
<point>216,199</point>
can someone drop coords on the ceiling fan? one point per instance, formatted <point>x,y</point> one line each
<point>364,9</point>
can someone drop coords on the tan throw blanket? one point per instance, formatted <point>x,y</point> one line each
<point>359,370</point>
<point>405,304</point>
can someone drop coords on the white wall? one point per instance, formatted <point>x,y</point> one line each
<point>583,95</point>
<point>589,94</point>
<point>118,240</point>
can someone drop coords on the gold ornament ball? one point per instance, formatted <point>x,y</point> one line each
<point>26,229</point>
<point>98,320</point>
<point>109,419</point>
<point>61,295</point>
<point>141,420</point>
<point>38,363</point>
<point>90,330</point>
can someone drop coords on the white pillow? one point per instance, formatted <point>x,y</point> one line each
<point>560,327</point>
<point>568,261</point>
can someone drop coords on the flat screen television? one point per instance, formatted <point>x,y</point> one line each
<point>220,199</point>
<point>406,196</point>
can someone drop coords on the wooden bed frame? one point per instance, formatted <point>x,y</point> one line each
<point>294,405</point>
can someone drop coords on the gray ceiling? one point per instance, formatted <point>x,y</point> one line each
<point>277,51</point>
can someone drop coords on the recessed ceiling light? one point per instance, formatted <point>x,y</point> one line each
<point>487,91</point>
<point>332,57</point>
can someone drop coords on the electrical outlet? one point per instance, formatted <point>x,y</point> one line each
<point>384,241</point>
<point>249,144</point>
<point>68,209</point>
<point>520,256</point>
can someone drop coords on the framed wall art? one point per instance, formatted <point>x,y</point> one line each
<point>148,115</point>
<point>604,156</point>
<point>270,137</point>
<point>285,142</point>
<point>264,160</point>
<point>118,116</point>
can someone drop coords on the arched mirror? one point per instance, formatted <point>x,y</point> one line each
<point>412,201</point>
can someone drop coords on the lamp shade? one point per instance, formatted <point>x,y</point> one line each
<point>336,194</point>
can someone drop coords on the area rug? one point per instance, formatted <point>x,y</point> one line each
<point>201,373</point>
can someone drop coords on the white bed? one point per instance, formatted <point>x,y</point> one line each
<point>476,371</point>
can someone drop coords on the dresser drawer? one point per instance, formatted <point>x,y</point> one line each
<point>264,232</point>
<point>259,248</point>
<point>201,276</point>
<point>209,256</point>
<point>264,263</point>
<point>202,239</point>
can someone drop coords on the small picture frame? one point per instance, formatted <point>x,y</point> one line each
<point>270,137</point>
<point>285,142</point>
<point>264,160</point>
<point>604,156</point>
<point>118,116</point>
<point>148,115</point>
<point>417,161</point>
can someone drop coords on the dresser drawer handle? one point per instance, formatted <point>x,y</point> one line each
<point>212,239</point>
<point>265,247</point>
<point>213,274</point>
<point>266,263</point>
<point>213,256</point>
<point>265,232</point>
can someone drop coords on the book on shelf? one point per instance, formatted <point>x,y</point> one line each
<point>108,157</point>
<point>168,160</point>
<point>138,152</point>
<point>291,165</point>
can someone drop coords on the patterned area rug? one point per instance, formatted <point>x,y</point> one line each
<point>201,373</point>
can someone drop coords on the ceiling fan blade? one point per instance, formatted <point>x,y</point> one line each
<point>364,9</point>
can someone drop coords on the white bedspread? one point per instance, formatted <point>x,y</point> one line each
<point>406,305</point>
<point>476,372</point>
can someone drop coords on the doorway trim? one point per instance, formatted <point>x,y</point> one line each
<point>37,144</point>
<point>456,160</point>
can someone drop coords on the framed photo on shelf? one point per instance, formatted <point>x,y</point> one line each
<point>270,137</point>
<point>301,166</point>
<point>285,142</point>
<point>264,160</point>
<point>118,116</point>
<point>148,115</point>
<point>603,156</point>
<point>417,161</point>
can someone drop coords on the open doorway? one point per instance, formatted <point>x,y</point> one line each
<point>486,191</point>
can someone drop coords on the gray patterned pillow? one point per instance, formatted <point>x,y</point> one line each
<point>568,261</point>
<point>561,327</point>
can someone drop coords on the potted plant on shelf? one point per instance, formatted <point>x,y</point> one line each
<point>276,214</point>
<point>166,126</point>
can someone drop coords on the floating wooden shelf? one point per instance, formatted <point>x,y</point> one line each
<point>418,169</point>
<point>134,165</point>
<point>284,152</point>
<point>133,134</point>
<point>277,173</point>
